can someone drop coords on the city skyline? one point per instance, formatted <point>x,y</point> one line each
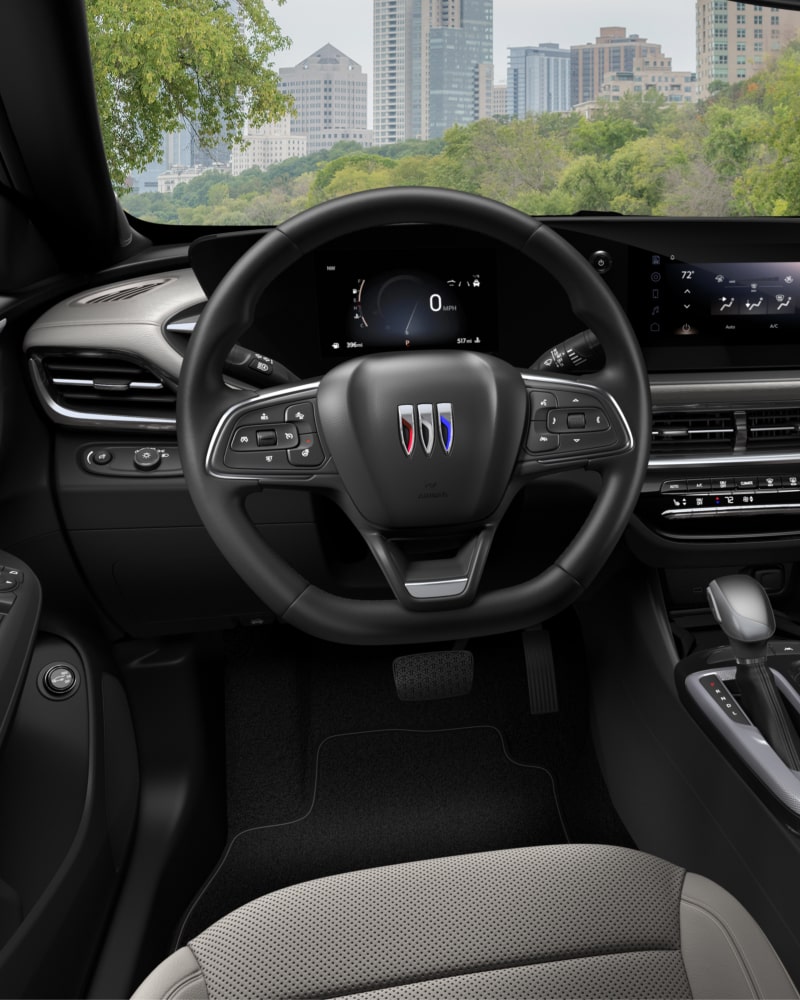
<point>348,25</point>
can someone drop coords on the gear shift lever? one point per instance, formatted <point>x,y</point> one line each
<point>744,613</point>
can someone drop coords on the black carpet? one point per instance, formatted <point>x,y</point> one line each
<point>328,771</point>
<point>387,797</point>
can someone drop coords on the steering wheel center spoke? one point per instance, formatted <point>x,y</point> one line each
<point>433,572</point>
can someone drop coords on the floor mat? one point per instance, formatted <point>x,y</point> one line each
<point>388,796</point>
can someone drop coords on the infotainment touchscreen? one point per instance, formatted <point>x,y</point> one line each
<point>400,301</point>
<point>702,314</point>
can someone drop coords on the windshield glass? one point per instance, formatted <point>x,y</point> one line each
<point>236,112</point>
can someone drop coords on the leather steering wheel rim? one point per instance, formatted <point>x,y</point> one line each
<point>231,310</point>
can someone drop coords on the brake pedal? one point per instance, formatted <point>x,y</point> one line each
<point>541,670</point>
<point>432,676</point>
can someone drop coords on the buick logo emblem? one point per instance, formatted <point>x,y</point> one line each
<point>423,420</point>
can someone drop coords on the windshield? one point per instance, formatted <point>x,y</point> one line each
<point>236,112</point>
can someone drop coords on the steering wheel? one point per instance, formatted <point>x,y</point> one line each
<point>424,451</point>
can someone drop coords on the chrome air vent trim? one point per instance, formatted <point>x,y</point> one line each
<point>66,412</point>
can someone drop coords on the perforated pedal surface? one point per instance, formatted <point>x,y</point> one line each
<point>431,676</point>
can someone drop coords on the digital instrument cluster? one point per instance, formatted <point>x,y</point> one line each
<point>406,301</point>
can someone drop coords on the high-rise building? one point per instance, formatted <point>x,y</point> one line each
<point>330,99</point>
<point>433,66</point>
<point>457,39</point>
<point>539,80</point>
<point>613,51</point>
<point>736,40</point>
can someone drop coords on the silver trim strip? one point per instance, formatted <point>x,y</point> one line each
<point>248,404</point>
<point>778,508</point>
<point>748,458</point>
<point>181,326</point>
<point>75,418</point>
<point>93,383</point>
<point>426,431</point>
<point>427,590</point>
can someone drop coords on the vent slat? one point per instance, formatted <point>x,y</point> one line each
<point>130,290</point>
<point>693,432</point>
<point>103,384</point>
<point>774,428</point>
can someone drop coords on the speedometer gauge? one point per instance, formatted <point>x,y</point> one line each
<point>409,300</point>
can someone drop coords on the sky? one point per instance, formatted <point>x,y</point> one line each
<point>347,24</point>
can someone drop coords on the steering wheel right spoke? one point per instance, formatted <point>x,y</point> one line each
<point>572,425</point>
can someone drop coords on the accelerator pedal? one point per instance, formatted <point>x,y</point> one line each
<point>541,669</point>
<point>431,676</point>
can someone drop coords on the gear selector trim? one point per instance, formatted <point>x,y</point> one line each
<point>746,740</point>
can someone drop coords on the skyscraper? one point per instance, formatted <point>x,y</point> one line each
<point>433,66</point>
<point>613,51</point>
<point>736,40</point>
<point>539,80</point>
<point>330,98</point>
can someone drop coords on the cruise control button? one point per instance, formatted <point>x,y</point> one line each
<point>302,416</point>
<point>146,458</point>
<point>258,461</point>
<point>245,439</point>
<point>287,436</point>
<point>541,440</point>
<point>267,415</point>
<point>309,452</point>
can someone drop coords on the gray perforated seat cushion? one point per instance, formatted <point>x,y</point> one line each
<point>562,921</point>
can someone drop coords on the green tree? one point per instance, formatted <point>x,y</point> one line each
<point>161,64</point>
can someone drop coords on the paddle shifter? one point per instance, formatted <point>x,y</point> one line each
<point>744,613</point>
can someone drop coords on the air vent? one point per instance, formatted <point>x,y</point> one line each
<point>130,290</point>
<point>774,428</point>
<point>692,432</point>
<point>104,388</point>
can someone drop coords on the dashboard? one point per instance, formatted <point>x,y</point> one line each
<point>714,304</point>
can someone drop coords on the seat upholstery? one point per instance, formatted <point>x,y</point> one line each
<point>560,921</point>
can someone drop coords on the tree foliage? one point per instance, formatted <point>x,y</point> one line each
<point>163,64</point>
<point>735,153</point>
